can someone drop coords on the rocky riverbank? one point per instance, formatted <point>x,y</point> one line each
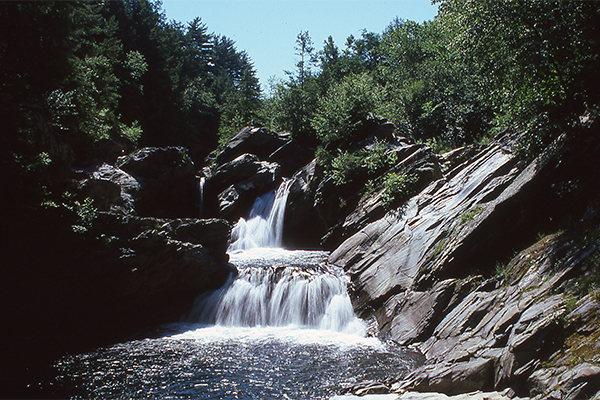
<point>490,272</point>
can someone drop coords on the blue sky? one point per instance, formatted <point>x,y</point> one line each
<point>267,29</point>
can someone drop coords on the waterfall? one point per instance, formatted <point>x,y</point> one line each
<point>201,182</point>
<point>276,287</point>
<point>264,225</point>
<point>313,297</point>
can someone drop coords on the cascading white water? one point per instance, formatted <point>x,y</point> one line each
<point>201,183</point>
<point>264,226</point>
<point>282,327</point>
<point>314,297</point>
<point>275,287</point>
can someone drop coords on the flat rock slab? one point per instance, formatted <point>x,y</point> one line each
<point>428,396</point>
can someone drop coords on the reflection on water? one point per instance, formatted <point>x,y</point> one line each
<point>278,357</point>
<point>233,363</point>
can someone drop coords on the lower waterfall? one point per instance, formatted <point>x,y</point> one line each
<point>267,292</point>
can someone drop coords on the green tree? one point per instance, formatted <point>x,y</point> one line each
<point>346,107</point>
<point>542,56</point>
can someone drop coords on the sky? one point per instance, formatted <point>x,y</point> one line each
<point>267,29</point>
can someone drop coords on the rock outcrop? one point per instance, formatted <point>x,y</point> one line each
<point>439,272</point>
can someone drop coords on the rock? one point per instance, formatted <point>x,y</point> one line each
<point>534,336</point>
<point>297,233</point>
<point>102,184</point>
<point>248,178</point>
<point>456,378</point>
<point>368,387</point>
<point>113,146</point>
<point>236,170</point>
<point>157,163</point>
<point>168,185</point>
<point>452,161</point>
<point>212,234</point>
<point>252,140</point>
<point>291,157</point>
<point>582,381</point>
<point>105,194</point>
<point>412,159</point>
<point>411,316</point>
<point>439,231</point>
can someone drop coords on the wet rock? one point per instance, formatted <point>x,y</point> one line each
<point>368,388</point>
<point>258,178</point>
<point>303,227</point>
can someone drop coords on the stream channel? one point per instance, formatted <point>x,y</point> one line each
<point>283,328</point>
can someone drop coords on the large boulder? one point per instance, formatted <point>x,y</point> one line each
<point>237,183</point>
<point>112,189</point>
<point>303,227</point>
<point>167,179</point>
<point>251,140</point>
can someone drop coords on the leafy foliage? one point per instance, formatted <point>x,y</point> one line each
<point>397,186</point>
<point>346,106</point>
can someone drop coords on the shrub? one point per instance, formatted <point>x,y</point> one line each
<point>398,186</point>
<point>346,106</point>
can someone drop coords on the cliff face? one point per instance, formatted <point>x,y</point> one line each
<point>471,272</point>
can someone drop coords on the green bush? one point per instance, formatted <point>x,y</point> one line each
<point>398,186</point>
<point>346,106</point>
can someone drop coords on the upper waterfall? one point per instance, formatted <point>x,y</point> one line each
<point>264,226</point>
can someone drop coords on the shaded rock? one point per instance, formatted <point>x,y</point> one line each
<point>580,382</point>
<point>302,228</point>
<point>291,156</point>
<point>249,178</point>
<point>252,140</point>
<point>157,163</point>
<point>105,193</point>
<point>102,187</point>
<point>228,199</point>
<point>113,146</point>
<point>212,234</point>
<point>168,185</point>
<point>236,170</point>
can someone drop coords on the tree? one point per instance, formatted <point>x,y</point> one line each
<point>542,55</point>
<point>305,50</point>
